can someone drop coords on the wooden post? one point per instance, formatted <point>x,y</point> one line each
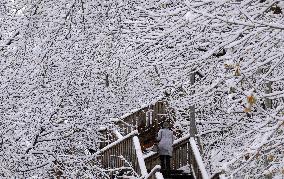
<point>193,129</point>
<point>268,102</point>
<point>268,105</point>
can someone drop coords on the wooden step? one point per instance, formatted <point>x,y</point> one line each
<point>179,177</point>
<point>173,172</point>
<point>176,174</point>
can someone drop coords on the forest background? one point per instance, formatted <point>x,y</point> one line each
<point>68,66</point>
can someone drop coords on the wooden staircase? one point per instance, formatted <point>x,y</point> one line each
<point>123,155</point>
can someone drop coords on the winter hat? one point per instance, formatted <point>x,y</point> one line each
<point>166,125</point>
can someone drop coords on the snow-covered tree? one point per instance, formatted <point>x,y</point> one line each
<point>54,93</point>
<point>237,47</point>
<point>68,66</point>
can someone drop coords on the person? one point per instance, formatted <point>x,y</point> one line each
<point>165,145</point>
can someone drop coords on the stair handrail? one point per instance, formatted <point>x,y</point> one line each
<point>193,156</point>
<point>118,148</point>
<point>139,156</point>
<point>198,158</point>
<point>133,133</point>
<point>133,141</point>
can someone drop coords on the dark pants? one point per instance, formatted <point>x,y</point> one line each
<point>165,162</point>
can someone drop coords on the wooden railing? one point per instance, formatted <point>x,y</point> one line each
<point>179,158</point>
<point>137,119</point>
<point>107,137</point>
<point>124,153</point>
<point>120,153</point>
<point>197,164</point>
<point>183,155</point>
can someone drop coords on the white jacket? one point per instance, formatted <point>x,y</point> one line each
<point>166,139</point>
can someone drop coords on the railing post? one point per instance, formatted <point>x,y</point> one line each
<point>193,130</point>
<point>139,155</point>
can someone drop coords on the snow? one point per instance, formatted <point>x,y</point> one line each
<point>159,175</point>
<point>133,133</point>
<point>149,154</point>
<point>71,68</point>
<point>140,107</point>
<point>102,128</point>
<point>181,139</point>
<point>185,169</point>
<point>222,176</point>
<point>117,134</point>
<point>154,170</point>
<point>115,119</point>
<point>198,158</point>
<point>189,16</point>
<point>139,155</point>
